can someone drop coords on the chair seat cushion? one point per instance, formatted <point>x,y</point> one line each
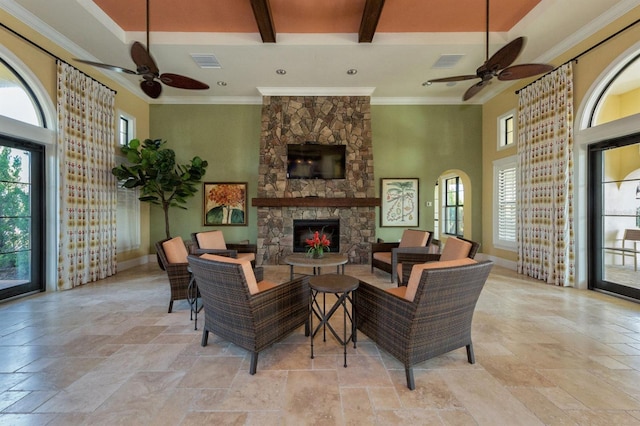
<point>265,285</point>
<point>383,256</point>
<point>249,276</point>
<point>455,248</point>
<point>398,291</point>
<point>175,250</point>
<point>416,273</point>
<point>247,256</point>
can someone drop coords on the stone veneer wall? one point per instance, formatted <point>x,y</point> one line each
<point>325,120</point>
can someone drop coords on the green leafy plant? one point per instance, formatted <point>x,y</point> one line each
<point>153,169</point>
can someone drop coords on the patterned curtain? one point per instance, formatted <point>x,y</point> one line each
<point>545,180</point>
<point>86,138</point>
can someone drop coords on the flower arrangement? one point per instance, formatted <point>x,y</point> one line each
<point>317,245</point>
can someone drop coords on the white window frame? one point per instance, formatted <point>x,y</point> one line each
<point>131,130</point>
<point>502,130</point>
<point>499,166</point>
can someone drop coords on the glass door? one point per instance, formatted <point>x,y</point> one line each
<point>614,216</point>
<point>21,217</point>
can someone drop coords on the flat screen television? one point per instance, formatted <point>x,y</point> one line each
<point>315,161</point>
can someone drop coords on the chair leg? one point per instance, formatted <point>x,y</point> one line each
<point>470,356</point>
<point>254,363</point>
<point>307,329</point>
<point>205,337</point>
<point>170,305</point>
<point>411,384</point>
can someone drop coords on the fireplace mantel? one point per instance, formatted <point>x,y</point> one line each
<point>315,202</point>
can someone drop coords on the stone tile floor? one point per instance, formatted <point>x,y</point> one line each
<point>109,354</point>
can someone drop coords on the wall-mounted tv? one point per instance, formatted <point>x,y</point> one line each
<point>315,161</point>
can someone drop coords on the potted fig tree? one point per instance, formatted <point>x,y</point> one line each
<point>153,169</point>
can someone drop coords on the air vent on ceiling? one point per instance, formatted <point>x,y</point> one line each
<point>447,61</point>
<point>206,60</point>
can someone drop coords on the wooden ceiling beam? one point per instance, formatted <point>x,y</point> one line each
<point>370,17</point>
<point>262,13</point>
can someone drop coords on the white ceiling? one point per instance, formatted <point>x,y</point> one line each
<point>391,69</point>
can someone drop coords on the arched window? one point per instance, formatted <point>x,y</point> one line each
<point>621,96</point>
<point>17,101</point>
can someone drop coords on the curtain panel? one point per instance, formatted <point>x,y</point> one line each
<point>87,188</point>
<point>545,179</point>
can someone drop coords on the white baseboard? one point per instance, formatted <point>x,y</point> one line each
<point>509,264</point>
<point>132,263</point>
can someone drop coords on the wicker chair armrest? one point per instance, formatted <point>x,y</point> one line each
<point>409,254</point>
<point>219,252</point>
<point>243,248</point>
<point>280,300</point>
<point>377,247</point>
<point>391,311</point>
<point>177,268</point>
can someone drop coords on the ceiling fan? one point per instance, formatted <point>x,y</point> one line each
<point>147,68</point>
<point>498,65</point>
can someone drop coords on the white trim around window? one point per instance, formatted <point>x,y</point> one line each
<point>506,130</point>
<point>504,203</point>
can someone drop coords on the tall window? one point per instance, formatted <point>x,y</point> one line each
<point>505,130</point>
<point>504,221</point>
<point>128,211</point>
<point>453,206</point>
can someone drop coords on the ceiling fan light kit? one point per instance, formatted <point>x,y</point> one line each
<point>148,69</point>
<point>498,65</point>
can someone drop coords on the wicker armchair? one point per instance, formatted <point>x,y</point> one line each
<point>436,321</point>
<point>453,252</point>
<point>251,321</point>
<point>213,242</point>
<point>172,254</point>
<point>411,248</point>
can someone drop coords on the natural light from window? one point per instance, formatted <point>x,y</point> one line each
<point>16,101</point>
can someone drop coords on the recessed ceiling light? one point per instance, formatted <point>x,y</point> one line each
<point>221,83</point>
<point>280,71</point>
<point>352,71</point>
<point>427,83</point>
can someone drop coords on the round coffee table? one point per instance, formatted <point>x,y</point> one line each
<point>329,259</point>
<point>342,286</point>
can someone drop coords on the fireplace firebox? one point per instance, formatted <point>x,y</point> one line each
<point>304,229</point>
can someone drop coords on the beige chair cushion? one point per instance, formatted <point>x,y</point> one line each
<point>211,240</point>
<point>455,248</point>
<point>247,256</point>
<point>416,273</point>
<point>398,291</point>
<point>383,256</point>
<point>175,251</point>
<point>249,276</point>
<point>414,238</point>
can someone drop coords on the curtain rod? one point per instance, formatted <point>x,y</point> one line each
<point>53,55</point>
<point>575,58</point>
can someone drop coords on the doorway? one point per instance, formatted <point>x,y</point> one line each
<point>614,216</point>
<point>22,217</point>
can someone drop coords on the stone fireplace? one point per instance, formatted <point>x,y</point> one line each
<point>331,120</point>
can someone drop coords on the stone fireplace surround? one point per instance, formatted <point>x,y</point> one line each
<point>325,120</point>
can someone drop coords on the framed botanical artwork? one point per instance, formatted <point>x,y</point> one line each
<point>225,203</point>
<point>399,202</point>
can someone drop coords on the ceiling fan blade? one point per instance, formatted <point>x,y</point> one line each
<point>516,72</point>
<point>106,66</point>
<point>182,82</point>
<point>454,78</point>
<point>143,59</point>
<point>152,88</point>
<point>505,56</point>
<point>473,90</point>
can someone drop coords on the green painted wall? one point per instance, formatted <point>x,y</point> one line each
<point>424,141</point>
<point>228,137</point>
<point>408,141</point>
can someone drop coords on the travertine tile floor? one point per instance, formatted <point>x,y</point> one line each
<point>108,354</point>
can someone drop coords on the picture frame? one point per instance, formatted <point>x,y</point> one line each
<point>225,204</point>
<point>399,202</point>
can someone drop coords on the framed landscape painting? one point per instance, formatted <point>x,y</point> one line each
<point>225,203</point>
<point>399,202</point>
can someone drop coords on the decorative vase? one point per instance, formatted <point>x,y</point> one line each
<point>317,254</point>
